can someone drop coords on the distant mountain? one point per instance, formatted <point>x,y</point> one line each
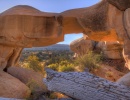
<point>52,47</point>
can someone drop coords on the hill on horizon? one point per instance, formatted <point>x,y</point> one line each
<point>51,47</point>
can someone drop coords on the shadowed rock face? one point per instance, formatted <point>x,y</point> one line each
<point>93,17</point>
<point>11,87</point>
<point>29,76</point>
<point>25,26</point>
<point>81,46</point>
<point>110,50</point>
<point>120,4</point>
<point>100,22</point>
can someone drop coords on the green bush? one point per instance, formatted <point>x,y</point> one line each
<point>89,61</point>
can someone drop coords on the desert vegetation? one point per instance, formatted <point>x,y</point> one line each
<point>63,61</point>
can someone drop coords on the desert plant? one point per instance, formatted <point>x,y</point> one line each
<point>66,68</point>
<point>54,66</point>
<point>33,85</point>
<point>32,62</point>
<point>58,56</point>
<point>63,66</point>
<point>89,61</point>
<point>109,74</point>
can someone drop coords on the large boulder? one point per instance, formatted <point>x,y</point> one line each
<point>125,80</point>
<point>81,46</point>
<point>9,57</point>
<point>111,50</point>
<point>29,77</point>
<point>10,87</point>
<point>42,26</point>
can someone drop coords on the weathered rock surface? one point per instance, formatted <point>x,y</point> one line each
<point>111,50</point>
<point>29,27</point>
<point>46,26</point>
<point>85,86</point>
<point>9,56</point>
<point>100,22</point>
<point>10,87</point>
<point>126,49</point>
<point>25,26</point>
<point>81,46</point>
<point>120,4</point>
<point>125,80</point>
<point>29,77</point>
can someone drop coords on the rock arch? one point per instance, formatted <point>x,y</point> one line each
<point>25,26</point>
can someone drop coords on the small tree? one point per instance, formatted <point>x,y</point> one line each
<point>34,63</point>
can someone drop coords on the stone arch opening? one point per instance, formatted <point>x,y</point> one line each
<point>25,26</point>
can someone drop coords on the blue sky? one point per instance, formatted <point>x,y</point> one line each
<point>50,6</point>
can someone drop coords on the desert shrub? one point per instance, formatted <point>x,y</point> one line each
<point>54,66</point>
<point>61,61</point>
<point>52,96</point>
<point>109,74</point>
<point>63,66</point>
<point>32,62</point>
<point>66,68</point>
<point>58,56</point>
<point>33,85</point>
<point>89,61</point>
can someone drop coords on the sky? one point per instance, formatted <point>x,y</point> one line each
<point>51,6</point>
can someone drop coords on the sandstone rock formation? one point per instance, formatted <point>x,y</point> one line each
<point>101,22</point>
<point>11,87</point>
<point>120,4</point>
<point>81,46</point>
<point>111,50</point>
<point>24,26</point>
<point>29,77</point>
<point>9,56</point>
